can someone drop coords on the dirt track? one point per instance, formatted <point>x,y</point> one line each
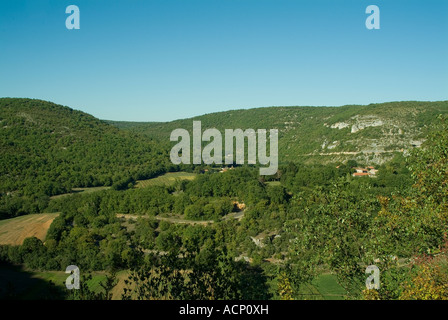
<point>172,220</point>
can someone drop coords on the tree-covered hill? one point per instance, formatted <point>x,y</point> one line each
<point>47,149</point>
<point>304,222</point>
<point>367,133</point>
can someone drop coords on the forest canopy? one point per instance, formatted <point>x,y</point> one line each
<point>224,234</point>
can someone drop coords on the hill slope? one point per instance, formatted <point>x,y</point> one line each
<point>49,149</point>
<point>369,133</point>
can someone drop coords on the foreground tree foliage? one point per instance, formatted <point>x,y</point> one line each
<point>416,225</point>
<point>86,293</point>
<point>209,274</point>
<point>346,230</point>
<point>428,282</point>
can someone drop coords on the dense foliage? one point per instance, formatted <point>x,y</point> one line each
<point>47,149</point>
<point>233,234</point>
<point>322,134</point>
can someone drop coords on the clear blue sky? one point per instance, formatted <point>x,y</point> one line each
<point>160,60</point>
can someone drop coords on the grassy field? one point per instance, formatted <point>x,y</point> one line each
<point>18,283</point>
<point>166,179</point>
<point>13,231</point>
<point>324,287</point>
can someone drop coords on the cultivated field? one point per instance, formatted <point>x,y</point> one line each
<point>166,179</point>
<point>14,231</point>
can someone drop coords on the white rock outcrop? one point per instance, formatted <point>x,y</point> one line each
<point>362,123</point>
<point>340,125</point>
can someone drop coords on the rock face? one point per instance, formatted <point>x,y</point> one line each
<point>358,123</point>
<point>365,122</point>
<point>333,145</point>
<point>375,146</point>
<point>339,125</point>
<point>258,242</point>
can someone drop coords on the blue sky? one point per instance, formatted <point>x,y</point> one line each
<point>162,60</point>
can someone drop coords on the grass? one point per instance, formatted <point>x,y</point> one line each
<point>330,289</point>
<point>18,283</point>
<point>13,231</point>
<point>323,287</point>
<point>98,277</point>
<point>166,179</point>
<point>23,284</point>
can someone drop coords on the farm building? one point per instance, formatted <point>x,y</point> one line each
<point>364,172</point>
